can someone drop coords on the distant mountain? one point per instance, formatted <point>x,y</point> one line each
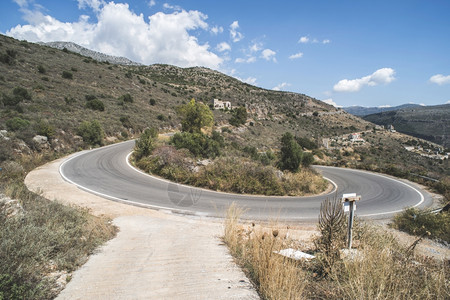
<point>90,53</point>
<point>431,123</point>
<point>361,111</point>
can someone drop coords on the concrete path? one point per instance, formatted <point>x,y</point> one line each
<point>154,256</point>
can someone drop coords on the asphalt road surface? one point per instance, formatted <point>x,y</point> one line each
<point>106,172</point>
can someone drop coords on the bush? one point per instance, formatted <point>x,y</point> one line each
<point>44,128</point>
<point>41,69</point>
<point>90,97</point>
<point>21,93</point>
<point>67,75</point>
<point>199,144</point>
<point>146,143</point>
<point>91,132</point>
<point>306,143</point>
<point>95,104</point>
<point>125,120</point>
<point>291,154</point>
<point>17,123</point>
<point>239,116</point>
<point>161,117</point>
<point>126,98</point>
<point>332,221</point>
<point>420,222</point>
<point>152,102</point>
<point>195,116</point>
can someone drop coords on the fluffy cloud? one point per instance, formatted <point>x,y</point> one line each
<point>440,79</point>
<point>326,41</point>
<point>381,76</point>
<point>118,31</point>
<point>248,60</point>
<point>223,47</point>
<point>151,3</point>
<point>281,86</point>
<point>331,102</point>
<point>296,55</point>
<point>303,39</point>
<point>268,55</point>
<point>217,29</point>
<point>236,36</point>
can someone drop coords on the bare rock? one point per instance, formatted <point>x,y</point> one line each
<point>10,207</point>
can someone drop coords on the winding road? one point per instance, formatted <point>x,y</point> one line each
<point>106,172</point>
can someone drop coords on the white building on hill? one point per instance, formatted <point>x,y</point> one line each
<point>217,104</point>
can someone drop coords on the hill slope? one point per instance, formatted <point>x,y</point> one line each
<point>431,123</point>
<point>362,111</point>
<point>50,92</point>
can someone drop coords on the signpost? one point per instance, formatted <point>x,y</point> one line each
<point>348,201</point>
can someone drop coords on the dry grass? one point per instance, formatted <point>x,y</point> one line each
<point>276,277</point>
<point>382,268</point>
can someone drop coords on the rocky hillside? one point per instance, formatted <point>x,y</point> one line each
<point>362,111</point>
<point>47,95</point>
<point>431,123</point>
<point>90,53</point>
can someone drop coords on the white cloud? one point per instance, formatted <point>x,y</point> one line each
<point>164,38</point>
<point>326,41</point>
<point>384,75</point>
<point>250,59</point>
<point>448,102</point>
<point>296,55</point>
<point>96,5</point>
<point>440,79</point>
<point>223,47</point>
<point>268,55</point>
<point>384,106</point>
<point>255,47</point>
<point>22,3</point>
<point>173,7</point>
<point>331,102</point>
<point>281,86</point>
<point>236,36</point>
<point>303,39</point>
<point>151,3</point>
<point>250,80</point>
<point>217,29</point>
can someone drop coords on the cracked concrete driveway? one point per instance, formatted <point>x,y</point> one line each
<point>154,256</point>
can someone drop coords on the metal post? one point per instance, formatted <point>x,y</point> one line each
<point>350,225</point>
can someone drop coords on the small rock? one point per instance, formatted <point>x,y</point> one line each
<point>40,139</point>
<point>11,207</point>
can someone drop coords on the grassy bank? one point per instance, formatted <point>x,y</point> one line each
<point>382,269</point>
<point>41,241</point>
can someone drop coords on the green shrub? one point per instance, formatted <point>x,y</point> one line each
<point>199,144</point>
<point>152,102</point>
<point>161,117</point>
<point>67,75</point>
<point>306,143</point>
<point>125,120</point>
<point>43,127</point>
<point>95,104</point>
<point>126,98</point>
<point>17,123</point>
<point>90,97</point>
<point>419,222</point>
<point>290,154</point>
<point>239,116</point>
<point>146,143</point>
<point>41,69</point>
<point>195,116</point>
<point>91,132</point>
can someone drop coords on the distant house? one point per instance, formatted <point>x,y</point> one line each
<point>391,128</point>
<point>355,137</point>
<point>217,104</point>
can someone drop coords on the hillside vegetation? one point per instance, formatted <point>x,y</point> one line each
<point>431,123</point>
<point>54,102</point>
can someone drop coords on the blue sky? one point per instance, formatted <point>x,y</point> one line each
<point>369,53</point>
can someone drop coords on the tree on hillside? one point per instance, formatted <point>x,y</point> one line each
<point>146,143</point>
<point>290,154</point>
<point>91,132</point>
<point>195,116</point>
<point>239,116</point>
